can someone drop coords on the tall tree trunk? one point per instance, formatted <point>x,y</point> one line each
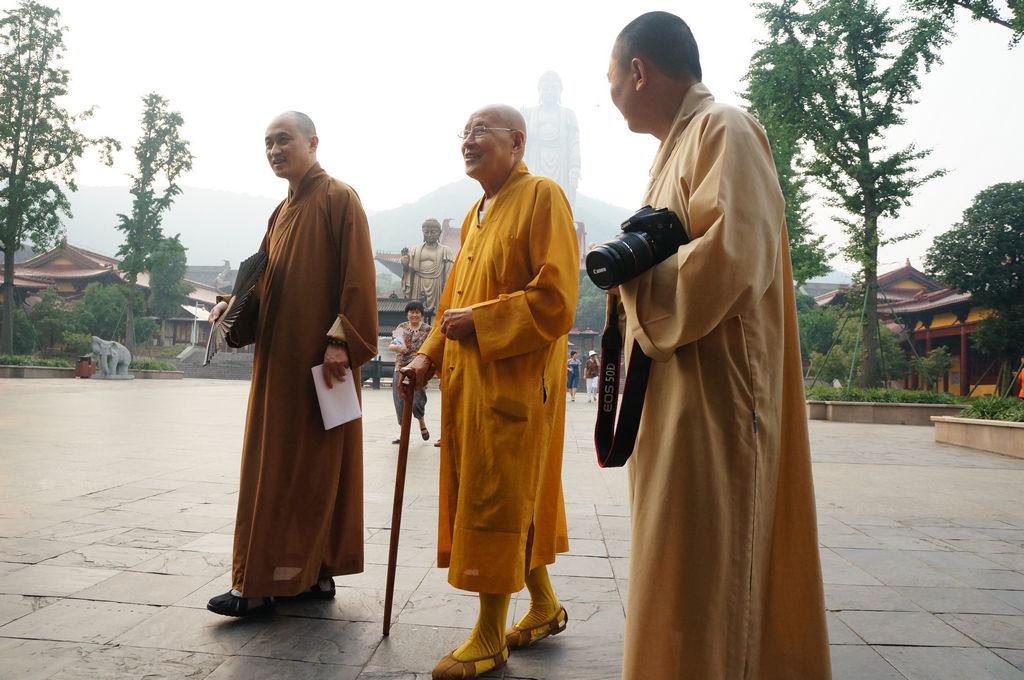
<point>7,335</point>
<point>129,329</point>
<point>869,376</point>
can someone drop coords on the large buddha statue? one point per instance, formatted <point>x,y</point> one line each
<point>425,267</point>
<point>553,137</point>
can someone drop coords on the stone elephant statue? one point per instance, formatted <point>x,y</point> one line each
<point>112,358</point>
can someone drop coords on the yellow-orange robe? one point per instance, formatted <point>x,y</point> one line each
<point>501,510</point>
<point>724,579</point>
<point>300,505</point>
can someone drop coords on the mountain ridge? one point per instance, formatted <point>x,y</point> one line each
<point>216,224</point>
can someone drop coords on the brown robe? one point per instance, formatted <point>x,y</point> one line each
<point>724,576</point>
<point>501,511</point>
<point>300,505</point>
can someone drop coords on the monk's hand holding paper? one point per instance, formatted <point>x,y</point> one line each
<point>419,370</point>
<point>457,324</point>
<point>217,310</point>
<point>335,364</point>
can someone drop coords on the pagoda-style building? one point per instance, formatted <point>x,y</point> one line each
<point>69,269</point>
<point>924,314</point>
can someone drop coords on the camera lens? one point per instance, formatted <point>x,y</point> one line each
<point>620,259</point>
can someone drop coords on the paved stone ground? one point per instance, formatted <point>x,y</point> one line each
<point>116,509</point>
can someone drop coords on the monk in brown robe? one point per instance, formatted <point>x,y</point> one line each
<point>300,505</point>
<point>500,349</point>
<point>724,575</point>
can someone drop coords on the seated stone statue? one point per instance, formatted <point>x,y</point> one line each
<point>112,358</point>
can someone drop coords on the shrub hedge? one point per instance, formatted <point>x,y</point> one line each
<point>879,395</point>
<point>152,365</point>
<point>26,360</point>
<point>996,408</point>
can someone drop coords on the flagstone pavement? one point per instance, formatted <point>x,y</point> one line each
<point>117,501</point>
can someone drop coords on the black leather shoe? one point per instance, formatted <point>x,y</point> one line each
<point>232,605</point>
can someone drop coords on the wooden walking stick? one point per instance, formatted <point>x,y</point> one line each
<point>408,394</point>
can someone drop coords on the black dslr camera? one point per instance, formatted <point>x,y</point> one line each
<point>647,238</point>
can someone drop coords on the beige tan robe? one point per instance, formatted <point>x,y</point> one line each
<point>501,510</point>
<point>300,505</point>
<point>724,580</point>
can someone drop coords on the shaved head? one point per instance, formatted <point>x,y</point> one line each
<point>504,115</point>
<point>662,39</point>
<point>300,120</point>
<point>492,154</point>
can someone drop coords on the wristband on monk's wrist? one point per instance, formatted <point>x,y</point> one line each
<point>337,342</point>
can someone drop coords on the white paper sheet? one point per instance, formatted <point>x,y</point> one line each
<point>338,404</point>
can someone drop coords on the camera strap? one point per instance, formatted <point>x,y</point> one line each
<point>615,442</point>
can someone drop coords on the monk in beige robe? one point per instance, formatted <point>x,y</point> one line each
<point>500,350</point>
<point>300,505</point>
<point>724,577</point>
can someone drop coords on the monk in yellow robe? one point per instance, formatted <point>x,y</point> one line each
<point>724,576</point>
<point>300,505</point>
<point>500,350</point>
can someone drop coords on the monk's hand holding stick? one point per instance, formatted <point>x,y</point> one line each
<point>457,324</point>
<point>335,364</point>
<point>420,370</point>
<point>217,310</point>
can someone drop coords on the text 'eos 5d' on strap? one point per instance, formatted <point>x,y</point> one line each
<point>615,442</point>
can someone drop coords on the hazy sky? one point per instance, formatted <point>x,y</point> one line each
<point>389,84</point>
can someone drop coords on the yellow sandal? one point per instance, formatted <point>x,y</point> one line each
<point>518,638</point>
<point>450,668</point>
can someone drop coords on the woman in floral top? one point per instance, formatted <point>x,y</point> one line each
<point>406,341</point>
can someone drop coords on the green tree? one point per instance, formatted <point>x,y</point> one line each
<point>162,155</point>
<point>24,335</point>
<point>983,255</point>
<point>590,307</point>
<point>933,366</point>
<point>817,329</point>
<point>1001,336</point>
<point>39,140</point>
<point>102,309</point>
<point>839,77</point>
<point>806,250</point>
<point>841,359</point>
<point>51,317</point>
<point>167,287</point>
<point>1009,14</point>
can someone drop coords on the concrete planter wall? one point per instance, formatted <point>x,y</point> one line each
<point>988,435</point>
<point>878,413</point>
<point>44,372</point>
<point>157,375</point>
<point>35,372</point>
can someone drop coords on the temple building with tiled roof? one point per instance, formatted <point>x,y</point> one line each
<point>925,314</point>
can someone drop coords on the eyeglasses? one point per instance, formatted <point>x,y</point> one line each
<point>481,131</point>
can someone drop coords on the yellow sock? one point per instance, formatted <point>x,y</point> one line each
<point>488,636</point>
<point>544,603</point>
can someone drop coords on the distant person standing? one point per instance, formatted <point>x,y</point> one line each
<point>591,371</point>
<point>300,502</point>
<point>411,333</point>
<point>572,378</point>
<point>1020,379</point>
